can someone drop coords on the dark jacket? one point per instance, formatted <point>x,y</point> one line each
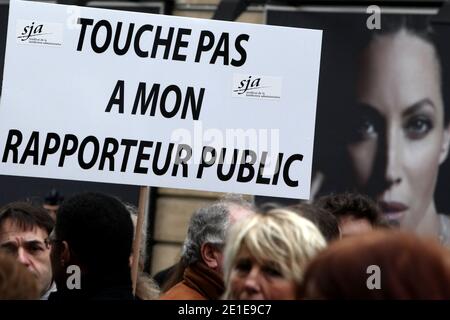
<point>107,288</point>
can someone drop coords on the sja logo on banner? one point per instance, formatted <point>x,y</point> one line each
<point>254,86</point>
<point>39,33</point>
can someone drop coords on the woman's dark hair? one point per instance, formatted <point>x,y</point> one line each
<point>16,282</point>
<point>409,267</point>
<point>434,34</point>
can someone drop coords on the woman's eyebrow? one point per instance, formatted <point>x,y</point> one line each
<point>417,106</point>
<point>365,108</point>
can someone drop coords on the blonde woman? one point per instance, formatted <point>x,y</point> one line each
<point>266,254</point>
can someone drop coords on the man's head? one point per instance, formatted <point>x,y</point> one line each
<point>24,230</point>
<point>95,232</point>
<point>208,229</point>
<point>356,213</point>
<point>325,221</point>
<point>52,202</point>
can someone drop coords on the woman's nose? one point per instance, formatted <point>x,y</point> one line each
<point>393,156</point>
<point>251,283</point>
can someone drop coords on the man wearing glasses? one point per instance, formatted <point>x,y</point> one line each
<point>24,231</point>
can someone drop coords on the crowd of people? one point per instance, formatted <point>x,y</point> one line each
<point>338,247</point>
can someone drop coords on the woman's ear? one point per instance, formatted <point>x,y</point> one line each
<point>445,144</point>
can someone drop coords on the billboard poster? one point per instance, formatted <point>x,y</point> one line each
<point>382,125</point>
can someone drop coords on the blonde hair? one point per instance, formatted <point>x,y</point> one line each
<point>280,236</point>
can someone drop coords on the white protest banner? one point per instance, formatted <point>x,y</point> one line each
<point>143,99</point>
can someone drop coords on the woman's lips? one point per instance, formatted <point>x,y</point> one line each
<point>393,210</point>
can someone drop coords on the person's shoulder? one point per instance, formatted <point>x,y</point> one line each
<point>50,290</point>
<point>181,291</point>
<point>162,276</point>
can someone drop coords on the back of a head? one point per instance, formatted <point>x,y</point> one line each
<point>98,229</point>
<point>409,268</point>
<point>280,236</point>
<point>354,204</point>
<point>53,198</point>
<point>324,220</point>
<point>16,282</point>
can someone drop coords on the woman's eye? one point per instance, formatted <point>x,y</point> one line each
<point>364,122</point>
<point>243,266</point>
<point>271,271</point>
<point>362,130</point>
<point>366,129</point>
<point>418,127</point>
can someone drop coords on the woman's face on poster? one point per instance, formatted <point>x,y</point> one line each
<point>398,136</point>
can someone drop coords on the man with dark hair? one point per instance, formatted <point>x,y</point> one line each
<point>202,256</point>
<point>324,220</point>
<point>24,231</point>
<point>356,213</point>
<point>93,234</point>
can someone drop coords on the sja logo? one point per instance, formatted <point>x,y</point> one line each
<point>39,33</point>
<point>249,84</point>
<point>256,86</point>
<point>31,31</point>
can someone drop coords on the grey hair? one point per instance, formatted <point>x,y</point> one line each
<point>234,199</point>
<point>210,225</point>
